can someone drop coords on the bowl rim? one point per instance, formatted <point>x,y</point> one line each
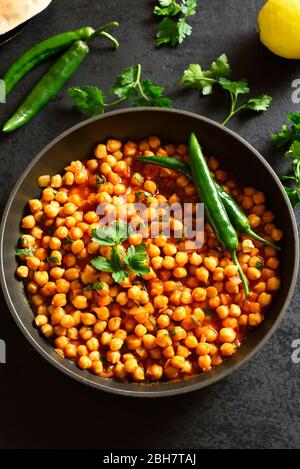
<point>138,390</point>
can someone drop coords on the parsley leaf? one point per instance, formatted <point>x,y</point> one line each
<point>291,134</point>
<point>174,28</point>
<point>234,87</point>
<point>203,80</point>
<point>89,100</point>
<point>167,8</point>
<point>128,86</point>
<point>25,252</point>
<point>111,235</point>
<point>152,96</point>
<point>125,83</point>
<point>135,259</point>
<point>167,33</point>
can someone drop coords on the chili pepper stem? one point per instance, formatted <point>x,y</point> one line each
<point>241,273</point>
<point>110,38</point>
<point>101,30</point>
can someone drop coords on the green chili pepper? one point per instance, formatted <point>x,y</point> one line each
<point>235,214</point>
<point>53,81</point>
<point>215,209</point>
<point>41,52</point>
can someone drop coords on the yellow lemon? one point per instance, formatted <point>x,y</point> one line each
<point>279,27</point>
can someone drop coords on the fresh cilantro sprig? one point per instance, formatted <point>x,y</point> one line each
<point>217,74</point>
<point>174,27</point>
<point>111,235</point>
<point>290,134</point>
<point>128,86</point>
<point>134,260</point>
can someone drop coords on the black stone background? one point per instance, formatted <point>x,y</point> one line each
<point>258,406</point>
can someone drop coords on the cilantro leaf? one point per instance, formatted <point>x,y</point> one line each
<point>220,68</point>
<point>135,259</point>
<point>261,103</point>
<point>184,30</point>
<point>101,263</point>
<point>282,137</point>
<point>120,276</point>
<point>152,96</point>
<point>293,195</point>
<point>174,31</point>
<point>188,7</point>
<point>294,151</point>
<point>288,134</point>
<point>234,87</point>
<point>203,80</point>
<point>167,33</point>
<point>167,8</point>
<point>125,83</point>
<point>111,235</point>
<point>52,260</point>
<point>88,100</point>
<point>25,252</point>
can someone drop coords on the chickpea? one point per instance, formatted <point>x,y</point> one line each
<point>67,321</point>
<point>59,299</point>
<point>227,334</point>
<point>204,362</point>
<point>179,313</point>
<point>180,272</point>
<point>22,271</point>
<point>273,284</point>
<point>202,274</point>
<point>28,222</point>
<point>181,259</point>
<point>210,263</point>
<point>80,302</point>
<point>130,365</point>
<point>41,278</point>
<point>191,341</point>
<point>227,349</point>
<point>84,362</point>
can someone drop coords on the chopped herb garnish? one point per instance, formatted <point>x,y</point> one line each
<point>25,252</point>
<point>134,260</point>
<point>142,194</point>
<point>173,332</point>
<point>209,311</point>
<point>52,260</point>
<point>67,241</point>
<point>260,265</point>
<point>111,235</point>
<point>95,286</point>
<point>100,180</point>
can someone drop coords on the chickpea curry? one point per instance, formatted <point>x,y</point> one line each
<point>135,307</point>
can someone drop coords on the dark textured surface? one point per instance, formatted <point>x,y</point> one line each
<point>257,407</point>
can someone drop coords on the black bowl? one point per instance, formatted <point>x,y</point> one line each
<point>235,154</point>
